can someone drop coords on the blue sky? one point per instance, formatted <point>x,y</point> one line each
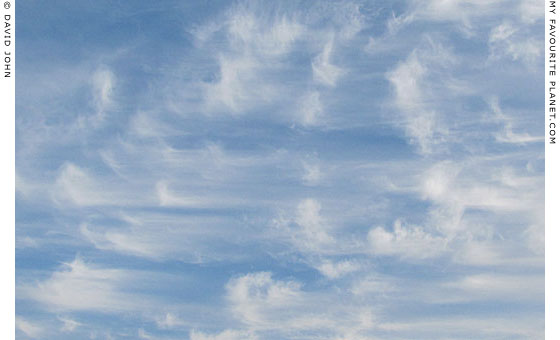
<point>226,170</point>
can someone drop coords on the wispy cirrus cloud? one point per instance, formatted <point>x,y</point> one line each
<point>272,160</point>
<point>412,98</point>
<point>28,328</point>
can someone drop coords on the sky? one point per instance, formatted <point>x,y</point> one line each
<point>270,170</point>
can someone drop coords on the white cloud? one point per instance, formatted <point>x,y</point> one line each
<point>167,198</point>
<point>535,238</point>
<point>373,285</point>
<point>78,186</point>
<point>501,287</point>
<point>463,209</point>
<point>324,72</point>
<point>455,187</point>
<point>312,226</point>
<point>23,187</point>
<point>347,17</point>
<point>498,252</point>
<point>465,12</point>
<point>438,185</point>
<point>102,83</point>
<point>258,38</point>
<point>449,327</point>
<point>506,40</point>
<point>334,270</point>
<point>412,96</point>
<point>69,325</point>
<point>169,321</point>
<point>225,335</point>
<point>144,124</point>
<point>472,202</point>
<point>312,174</point>
<point>305,228</point>
<point>481,253</point>
<point>507,135</point>
<point>239,86</point>
<point>261,31</point>
<point>29,328</point>
<point>310,110</point>
<point>260,301</point>
<point>162,236</point>
<point>255,44</point>
<point>26,242</point>
<point>407,242</point>
<point>396,23</point>
<point>531,11</point>
<point>267,305</point>
<point>142,334</point>
<point>81,287</point>
<point>468,15</point>
<point>132,241</point>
